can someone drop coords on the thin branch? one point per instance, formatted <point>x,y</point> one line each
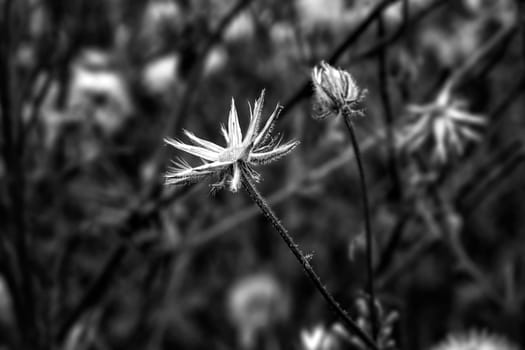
<point>477,179</point>
<point>492,59</point>
<point>503,105</point>
<point>493,181</point>
<point>521,23</point>
<point>312,176</point>
<point>393,242</point>
<point>11,151</point>
<point>451,228</point>
<point>493,42</point>
<point>95,292</point>
<point>411,257</point>
<point>471,268</point>
<point>179,118</point>
<point>36,105</point>
<point>305,90</point>
<point>368,229</point>
<point>138,218</point>
<point>278,226</point>
<point>392,38</point>
<point>500,156</point>
<point>387,106</point>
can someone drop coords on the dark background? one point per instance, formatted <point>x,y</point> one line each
<point>96,253</point>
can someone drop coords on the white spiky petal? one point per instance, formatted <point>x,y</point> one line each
<point>257,147</point>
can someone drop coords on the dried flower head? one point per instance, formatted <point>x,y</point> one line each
<point>257,147</point>
<point>444,125</point>
<point>475,340</point>
<point>335,92</point>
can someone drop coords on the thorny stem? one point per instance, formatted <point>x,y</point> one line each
<point>368,230</point>
<point>278,226</point>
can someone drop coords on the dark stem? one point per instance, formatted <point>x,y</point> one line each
<point>469,266</point>
<point>306,90</point>
<point>179,118</point>
<point>278,226</point>
<point>398,34</point>
<point>479,177</point>
<point>387,107</point>
<point>368,230</point>
<point>95,292</point>
<point>394,240</point>
<point>493,180</point>
<point>521,24</point>
<point>15,183</point>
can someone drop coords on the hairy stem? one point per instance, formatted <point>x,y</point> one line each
<point>368,230</point>
<point>278,226</point>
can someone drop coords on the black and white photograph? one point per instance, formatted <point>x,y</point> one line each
<point>262,175</point>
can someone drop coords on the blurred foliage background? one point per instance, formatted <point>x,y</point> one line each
<point>96,253</point>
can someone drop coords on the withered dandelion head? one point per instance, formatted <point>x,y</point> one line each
<point>335,92</point>
<point>257,147</point>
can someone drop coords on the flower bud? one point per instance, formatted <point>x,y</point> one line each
<point>335,92</point>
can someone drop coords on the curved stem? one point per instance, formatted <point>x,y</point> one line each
<point>278,226</point>
<point>472,269</point>
<point>368,230</point>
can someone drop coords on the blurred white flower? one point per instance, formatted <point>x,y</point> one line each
<point>475,340</point>
<point>257,147</point>
<point>99,91</point>
<point>282,33</point>
<point>444,125</point>
<point>335,92</point>
<point>320,12</point>
<point>159,11</point>
<point>215,59</point>
<point>256,303</point>
<point>319,338</point>
<point>6,307</point>
<point>242,27</point>
<point>160,74</point>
